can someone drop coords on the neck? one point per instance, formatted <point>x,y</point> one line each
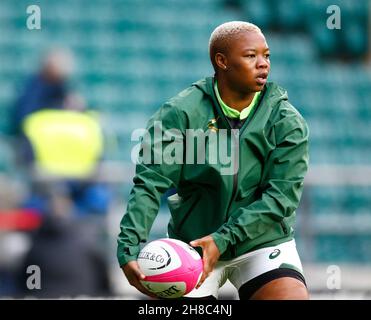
<point>232,98</point>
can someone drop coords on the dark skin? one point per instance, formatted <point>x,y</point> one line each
<point>242,66</point>
<point>134,275</point>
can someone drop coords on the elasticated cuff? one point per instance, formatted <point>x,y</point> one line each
<point>127,253</point>
<point>221,241</point>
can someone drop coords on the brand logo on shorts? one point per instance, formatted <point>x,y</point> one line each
<point>275,253</point>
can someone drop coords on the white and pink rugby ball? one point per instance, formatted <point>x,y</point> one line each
<point>172,267</point>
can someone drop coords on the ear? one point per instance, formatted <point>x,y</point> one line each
<point>221,61</point>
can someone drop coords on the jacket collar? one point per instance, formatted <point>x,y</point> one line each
<point>274,93</point>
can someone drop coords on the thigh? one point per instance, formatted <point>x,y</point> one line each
<point>285,288</point>
<point>253,270</point>
<point>210,287</point>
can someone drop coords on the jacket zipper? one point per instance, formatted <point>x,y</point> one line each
<point>284,228</point>
<point>235,176</point>
<point>234,191</point>
<point>244,126</point>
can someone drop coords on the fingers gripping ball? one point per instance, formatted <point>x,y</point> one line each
<point>172,267</point>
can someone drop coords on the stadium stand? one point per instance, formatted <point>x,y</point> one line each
<point>133,55</point>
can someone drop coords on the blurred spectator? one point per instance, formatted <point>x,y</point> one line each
<point>64,143</point>
<point>74,101</point>
<point>57,136</point>
<point>87,198</point>
<point>48,88</point>
<point>68,253</point>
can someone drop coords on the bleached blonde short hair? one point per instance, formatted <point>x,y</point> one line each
<point>222,33</point>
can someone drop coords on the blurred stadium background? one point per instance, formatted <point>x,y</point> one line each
<point>132,55</point>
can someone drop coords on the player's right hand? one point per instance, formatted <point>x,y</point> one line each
<point>134,275</point>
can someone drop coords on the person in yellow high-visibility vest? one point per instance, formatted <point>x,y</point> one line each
<point>65,143</point>
<point>67,146</point>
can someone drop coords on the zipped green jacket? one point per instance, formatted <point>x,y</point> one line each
<point>251,207</point>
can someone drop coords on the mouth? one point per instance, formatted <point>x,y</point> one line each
<point>261,78</point>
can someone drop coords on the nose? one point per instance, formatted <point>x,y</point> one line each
<point>262,63</point>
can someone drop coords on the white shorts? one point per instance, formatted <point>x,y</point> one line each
<point>249,266</point>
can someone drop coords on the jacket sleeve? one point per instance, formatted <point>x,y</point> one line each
<point>281,185</point>
<point>152,179</point>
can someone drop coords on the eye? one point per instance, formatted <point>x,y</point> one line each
<point>252,56</point>
<point>267,55</point>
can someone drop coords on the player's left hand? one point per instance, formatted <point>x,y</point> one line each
<point>210,253</point>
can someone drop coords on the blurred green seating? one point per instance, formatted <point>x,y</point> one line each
<point>262,13</point>
<point>5,121</point>
<point>133,55</point>
<point>7,158</point>
<point>329,200</point>
<point>343,248</point>
<point>290,14</point>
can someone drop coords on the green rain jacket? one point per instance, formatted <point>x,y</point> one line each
<point>248,210</point>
